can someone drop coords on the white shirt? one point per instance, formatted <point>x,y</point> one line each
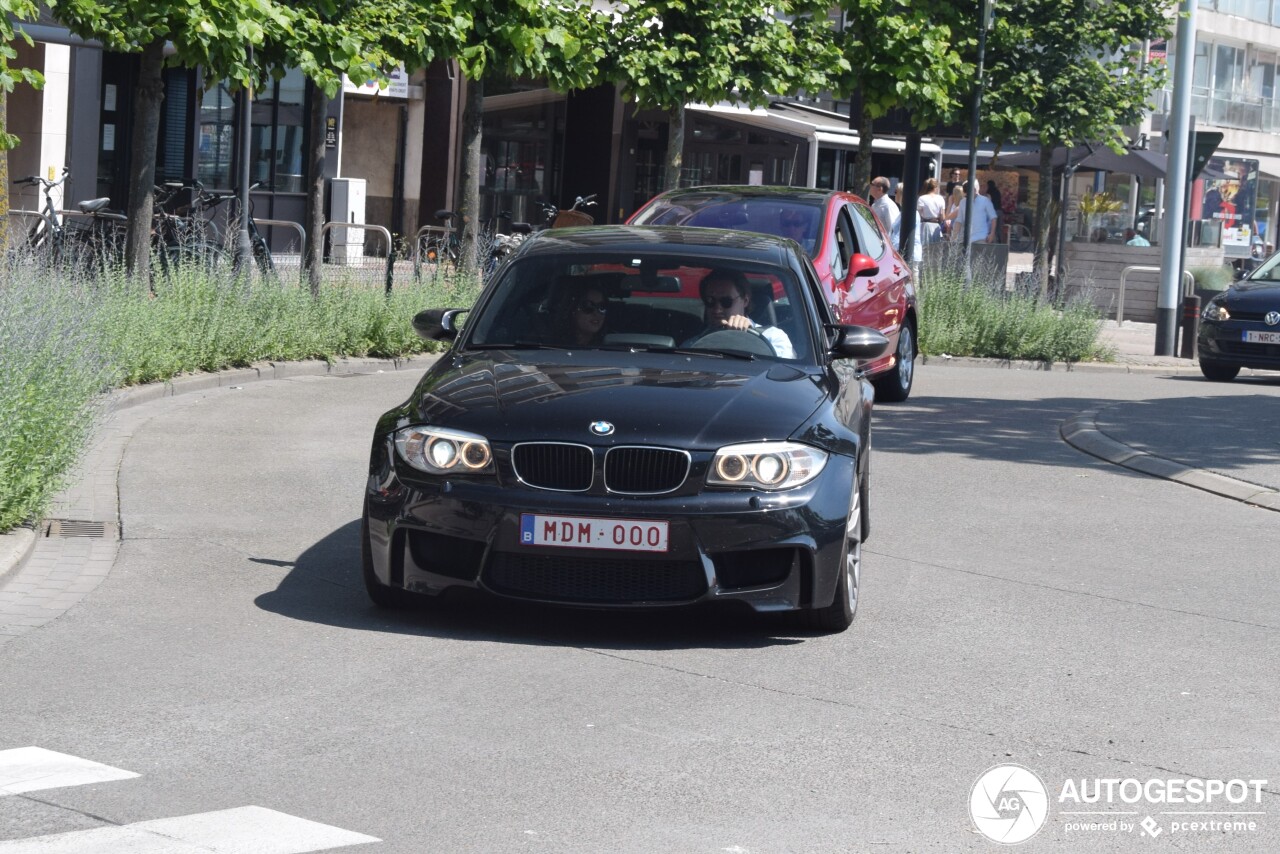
<point>887,210</point>
<point>984,218</point>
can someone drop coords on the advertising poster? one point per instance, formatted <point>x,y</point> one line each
<point>1228,196</point>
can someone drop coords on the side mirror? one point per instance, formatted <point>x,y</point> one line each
<point>858,342</point>
<point>862,266</point>
<point>437,324</point>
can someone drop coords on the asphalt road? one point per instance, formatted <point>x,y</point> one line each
<point>1022,603</point>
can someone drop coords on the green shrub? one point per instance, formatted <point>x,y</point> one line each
<point>65,338</point>
<point>976,320</point>
<point>1212,278</point>
<point>53,370</point>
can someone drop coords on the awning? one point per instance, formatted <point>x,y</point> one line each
<point>1098,158</point>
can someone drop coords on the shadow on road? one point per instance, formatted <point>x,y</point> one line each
<point>324,586</point>
<point>1230,433</point>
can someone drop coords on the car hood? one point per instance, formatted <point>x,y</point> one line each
<point>1252,296</point>
<point>690,402</point>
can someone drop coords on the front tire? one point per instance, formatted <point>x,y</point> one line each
<point>1218,372</point>
<point>838,616</point>
<point>894,386</point>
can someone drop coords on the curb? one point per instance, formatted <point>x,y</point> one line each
<point>1081,432</point>
<point>15,547</point>
<point>19,544</point>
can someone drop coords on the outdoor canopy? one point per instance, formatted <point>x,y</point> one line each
<point>1096,158</point>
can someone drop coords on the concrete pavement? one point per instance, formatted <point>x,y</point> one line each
<point>1225,444</point>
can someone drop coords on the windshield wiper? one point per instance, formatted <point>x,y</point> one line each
<point>694,351</point>
<point>516,345</point>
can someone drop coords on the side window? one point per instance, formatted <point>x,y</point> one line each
<point>845,245</point>
<point>868,232</point>
<point>817,296</point>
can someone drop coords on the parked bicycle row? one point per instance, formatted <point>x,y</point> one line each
<point>193,225</point>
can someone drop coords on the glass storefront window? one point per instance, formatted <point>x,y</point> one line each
<point>216,137</point>
<point>276,143</point>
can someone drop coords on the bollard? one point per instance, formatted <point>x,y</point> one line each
<point>1190,325</point>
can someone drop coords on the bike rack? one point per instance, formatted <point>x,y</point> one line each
<point>1188,288</point>
<point>363,226</point>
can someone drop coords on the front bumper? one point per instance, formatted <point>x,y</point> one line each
<point>772,551</point>
<point>1223,341</point>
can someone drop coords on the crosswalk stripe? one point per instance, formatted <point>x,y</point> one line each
<point>30,769</point>
<point>243,830</point>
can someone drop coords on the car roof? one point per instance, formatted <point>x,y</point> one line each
<point>674,239</point>
<point>754,191</point>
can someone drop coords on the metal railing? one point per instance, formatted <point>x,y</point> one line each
<point>1188,288</point>
<point>349,251</point>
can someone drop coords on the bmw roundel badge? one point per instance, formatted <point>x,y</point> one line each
<point>1272,318</point>
<point>602,428</point>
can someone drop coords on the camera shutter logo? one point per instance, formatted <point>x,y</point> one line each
<point>1272,318</point>
<point>1009,804</point>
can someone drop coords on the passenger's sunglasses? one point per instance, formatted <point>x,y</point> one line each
<point>725,302</point>
<point>589,307</point>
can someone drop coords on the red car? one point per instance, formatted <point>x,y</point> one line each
<point>865,279</point>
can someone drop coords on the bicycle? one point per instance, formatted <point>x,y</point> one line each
<point>575,215</point>
<point>181,234</point>
<point>46,234</point>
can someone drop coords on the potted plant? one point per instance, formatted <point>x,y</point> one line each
<point>1094,206</point>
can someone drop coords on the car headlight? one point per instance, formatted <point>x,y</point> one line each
<point>438,451</point>
<point>766,465</point>
<point>1215,311</point>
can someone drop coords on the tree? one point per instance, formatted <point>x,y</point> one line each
<point>11,10</point>
<point>363,40</point>
<point>1066,71</point>
<point>215,36</point>
<point>669,53</point>
<point>900,55</point>
<point>516,38</point>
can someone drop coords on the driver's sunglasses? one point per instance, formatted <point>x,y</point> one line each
<point>725,302</point>
<point>589,307</point>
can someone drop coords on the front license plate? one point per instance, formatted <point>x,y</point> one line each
<point>1262,337</point>
<point>584,532</point>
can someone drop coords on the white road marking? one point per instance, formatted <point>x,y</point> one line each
<point>30,769</point>
<point>244,830</point>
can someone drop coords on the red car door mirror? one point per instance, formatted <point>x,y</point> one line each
<point>861,266</point>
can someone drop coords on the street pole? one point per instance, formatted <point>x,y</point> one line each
<point>244,247</point>
<point>974,120</point>
<point>1175,223</point>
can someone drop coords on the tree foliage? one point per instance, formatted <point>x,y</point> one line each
<point>913,56</point>
<point>1068,72</point>
<point>665,54</point>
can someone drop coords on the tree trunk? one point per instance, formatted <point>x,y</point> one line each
<point>675,149</point>
<point>148,97</point>
<point>1044,217</point>
<point>313,212</point>
<point>862,169</point>
<point>468,212</point>
<point>4,174</point>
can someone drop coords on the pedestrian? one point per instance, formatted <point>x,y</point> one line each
<point>932,209</point>
<point>993,193</point>
<point>954,199</point>
<point>1132,238</point>
<point>982,225</point>
<point>885,209</point>
<point>953,181</point>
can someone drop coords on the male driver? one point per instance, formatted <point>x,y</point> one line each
<point>885,209</point>
<point>982,226</point>
<point>727,296</point>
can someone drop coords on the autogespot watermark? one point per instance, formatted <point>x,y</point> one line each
<point>1009,804</point>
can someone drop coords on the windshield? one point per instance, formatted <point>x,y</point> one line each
<point>797,219</point>
<point>1268,270</point>
<point>612,301</point>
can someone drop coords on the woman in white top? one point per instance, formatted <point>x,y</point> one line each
<point>932,208</point>
<point>953,207</point>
